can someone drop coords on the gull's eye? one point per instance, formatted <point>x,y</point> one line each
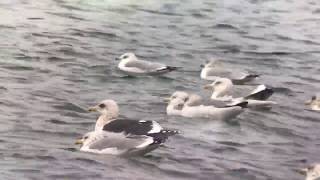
<point>217,83</point>
<point>125,57</point>
<point>310,168</point>
<point>86,137</point>
<point>186,99</point>
<point>102,105</point>
<point>173,97</point>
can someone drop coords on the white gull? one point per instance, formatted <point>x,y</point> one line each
<point>214,69</point>
<point>131,65</point>
<point>222,91</point>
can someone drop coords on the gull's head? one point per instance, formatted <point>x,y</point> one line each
<point>85,138</point>
<point>313,99</point>
<point>212,63</point>
<point>177,104</point>
<point>106,107</point>
<point>127,56</point>
<point>177,95</point>
<point>312,172</point>
<point>221,86</point>
<point>193,100</point>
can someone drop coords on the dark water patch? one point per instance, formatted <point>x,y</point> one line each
<point>2,88</point>
<point>98,33</point>
<point>133,33</point>
<point>93,33</point>
<point>198,15</point>
<point>312,116</point>
<point>70,51</point>
<point>283,90</point>
<point>67,15</point>
<point>70,107</point>
<point>56,121</point>
<point>179,173</point>
<point>230,143</point>
<point>293,83</point>
<point>277,53</point>
<point>60,59</point>
<point>54,133</point>
<point>73,8</point>
<point>22,156</point>
<point>25,171</point>
<point>20,56</point>
<point>7,27</point>
<point>186,55</point>
<point>88,162</point>
<point>123,11</point>
<point>74,176</point>
<point>70,149</point>
<point>52,36</point>
<point>308,79</point>
<point>287,38</point>
<point>256,38</point>
<point>35,18</point>
<point>46,158</point>
<point>73,65</point>
<point>224,149</point>
<point>18,67</point>
<point>159,12</point>
<point>285,132</point>
<point>287,144</point>
<point>316,11</point>
<point>225,26</point>
<point>229,48</point>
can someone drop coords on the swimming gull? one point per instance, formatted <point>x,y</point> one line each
<point>191,107</point>
<point>106,142</point>
<point>314,103</point>
<point>222,91</point>
<point>312,172</point>
<point>122,136</point>
<point>109,121</point>
<point>131,65</point>
<point>214,69</point>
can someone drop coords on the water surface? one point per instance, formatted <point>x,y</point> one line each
<point>57,59</point>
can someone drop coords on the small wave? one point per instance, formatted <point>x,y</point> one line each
<point>159,12</point>
<point>224,26</point>
<point>70,107</point>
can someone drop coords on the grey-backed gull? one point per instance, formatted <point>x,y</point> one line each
<point>131,65</point>
<point>222,91</point>
<point>214,69</point>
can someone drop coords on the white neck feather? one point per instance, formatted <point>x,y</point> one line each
<point>106,117</point>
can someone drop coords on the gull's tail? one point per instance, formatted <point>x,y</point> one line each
<point>260,93</point>
<point>243,104</point>
<point>163,135</point>
<point>245,79</point>
<point>168,69</point>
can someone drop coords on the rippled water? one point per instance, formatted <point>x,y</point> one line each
<point>57,58</point>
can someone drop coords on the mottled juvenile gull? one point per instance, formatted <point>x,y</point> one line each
<point>132,66</point>
<point>214,69</point>
<point>314,103</point>
<point>312,172</point>
<point>192,107</point>
<point>222,91</point>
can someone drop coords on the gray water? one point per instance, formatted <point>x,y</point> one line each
<point>57,59</point>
